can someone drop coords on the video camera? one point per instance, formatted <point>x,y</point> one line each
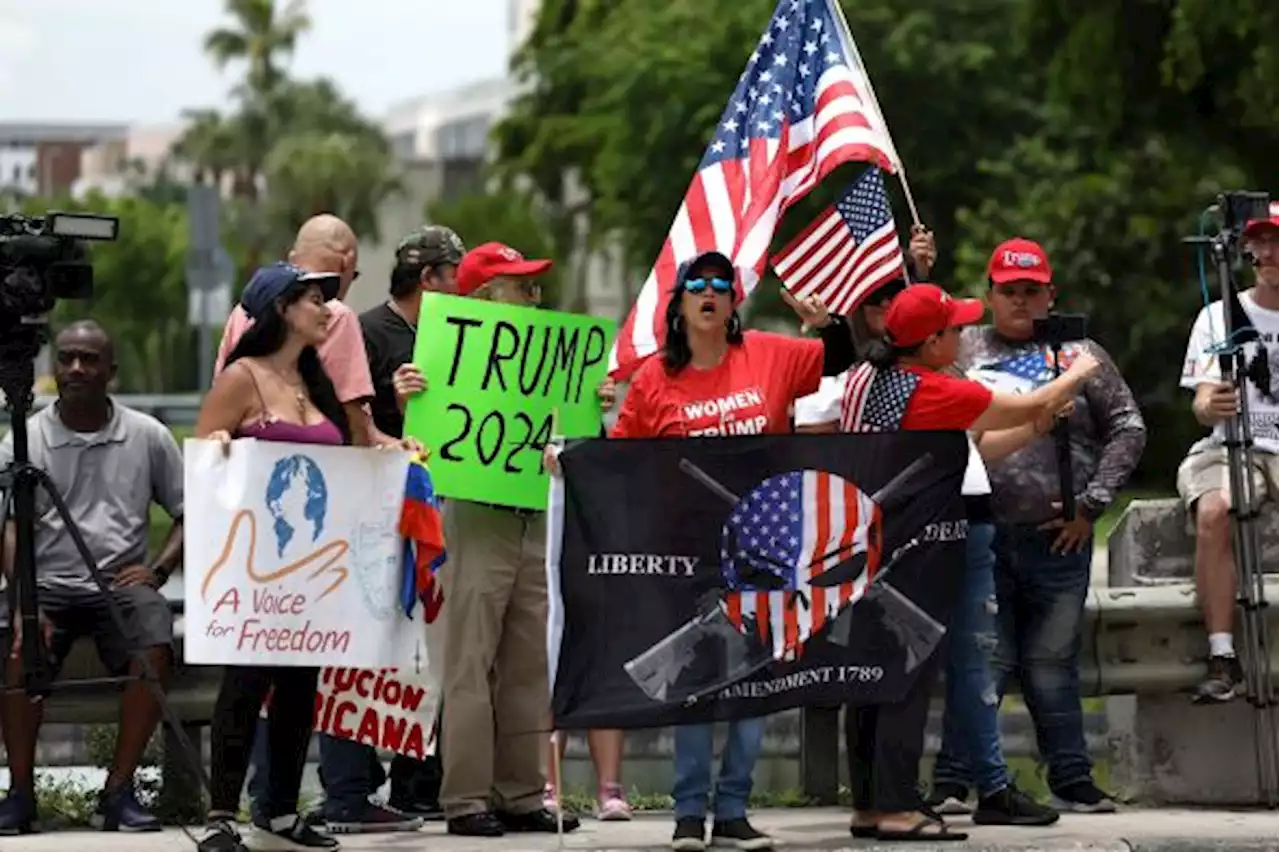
<point>43,259</point>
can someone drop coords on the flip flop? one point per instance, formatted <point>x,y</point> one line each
<point>865,832</point>
<point>917,833</point>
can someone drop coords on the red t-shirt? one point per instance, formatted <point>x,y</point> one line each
<point>943,402</point>
<point>749,393</point>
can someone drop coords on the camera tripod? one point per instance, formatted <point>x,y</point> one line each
<point>21,481</point>
<point>1251,599</point>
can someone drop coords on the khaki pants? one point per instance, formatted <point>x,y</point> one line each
<point>494,689</point>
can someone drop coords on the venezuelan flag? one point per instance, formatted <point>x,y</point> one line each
<point>423,531</point>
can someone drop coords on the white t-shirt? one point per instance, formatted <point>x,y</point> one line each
<point>975,482</point>
<point>822,406</point>
<point>1201,365</point>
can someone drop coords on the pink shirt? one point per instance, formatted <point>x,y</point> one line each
<point>342,353</point>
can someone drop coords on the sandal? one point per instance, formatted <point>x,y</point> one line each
<point>864,832</point>
<point>918,833</point>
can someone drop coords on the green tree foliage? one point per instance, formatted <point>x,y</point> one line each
<point>1100,128</point>
<point>140,294</point>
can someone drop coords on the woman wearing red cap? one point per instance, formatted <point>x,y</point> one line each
<point>902,386</point>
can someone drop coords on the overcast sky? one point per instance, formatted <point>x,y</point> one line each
<point>140,61</point>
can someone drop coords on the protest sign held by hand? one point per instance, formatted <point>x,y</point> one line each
<point>497,374</point>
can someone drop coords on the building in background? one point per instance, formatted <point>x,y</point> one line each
<point>43,158</point>
<point>113,166</point>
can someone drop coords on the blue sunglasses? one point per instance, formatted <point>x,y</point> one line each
<point>699,285</point>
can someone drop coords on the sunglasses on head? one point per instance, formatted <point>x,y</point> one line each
<point>699,285</point>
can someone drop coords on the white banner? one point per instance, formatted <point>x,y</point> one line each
<point>292,557</point>
<point>394,709</point>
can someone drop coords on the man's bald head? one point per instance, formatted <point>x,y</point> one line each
<point>325,243</point>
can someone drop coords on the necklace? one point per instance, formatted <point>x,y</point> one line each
<point>299,394</point>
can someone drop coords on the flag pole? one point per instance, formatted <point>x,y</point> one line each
<point>850,45</point>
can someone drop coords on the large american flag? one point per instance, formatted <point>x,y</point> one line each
<point>802,107</point>
<point>848,251</point>
<point>876,400</point>
<point>797,526</point>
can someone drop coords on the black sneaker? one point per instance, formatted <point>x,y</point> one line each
<point>690,835</point>
<point>1225,676</point>
<point>376,819</point>
<point>17,814</point>
<point>289,833</point>
<point>427,810</point>
<point>738,834</point>
<point>1083,797</point>
<point>221,836</point>
<point>1011,806</point>
<point>121,811</point>
<point>949,798</point>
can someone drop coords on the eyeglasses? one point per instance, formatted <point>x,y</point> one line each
<point>699,285</point>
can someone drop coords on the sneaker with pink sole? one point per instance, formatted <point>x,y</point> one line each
<point>613,804</point>
<point>549,798</point>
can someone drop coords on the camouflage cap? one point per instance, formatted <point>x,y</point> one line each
<point>430,245</point>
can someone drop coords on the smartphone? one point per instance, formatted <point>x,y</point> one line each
<point>1060,328</point>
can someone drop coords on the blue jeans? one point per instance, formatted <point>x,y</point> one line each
<point>1041,599</point>
<point>970,750</point>
<point>695,748</point>
<point>346,771</point>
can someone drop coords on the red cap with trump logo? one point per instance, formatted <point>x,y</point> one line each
<point>1019,259</point>
<point>494,260</point>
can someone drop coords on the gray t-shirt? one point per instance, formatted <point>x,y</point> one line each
<point>108,480</point>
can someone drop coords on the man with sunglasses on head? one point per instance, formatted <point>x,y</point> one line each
<point>1043,559</point>
<point>1203,480</point>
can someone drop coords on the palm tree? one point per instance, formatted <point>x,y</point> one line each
<point>208,145</point>
<point>259,37</point>
<point>262,34</point>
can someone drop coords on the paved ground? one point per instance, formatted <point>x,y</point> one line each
<point>794,829</point>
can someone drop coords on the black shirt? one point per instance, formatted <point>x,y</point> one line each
<point>388,340</point>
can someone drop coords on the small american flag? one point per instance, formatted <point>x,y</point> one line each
<point>848,251</point>
<point>797,526</point>
<point>1032,368</point>
<point>876,400</point>
<point>802,107</point>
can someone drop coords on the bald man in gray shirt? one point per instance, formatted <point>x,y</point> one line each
<point>109,463</point>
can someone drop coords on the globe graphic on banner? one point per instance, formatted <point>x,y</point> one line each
<point>296,497</point>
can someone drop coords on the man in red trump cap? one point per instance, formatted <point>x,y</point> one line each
<point>494,686</point>
<point>1043,558</point>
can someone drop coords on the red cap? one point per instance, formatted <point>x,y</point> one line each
<point>492,260</point>
<point>1019,260</point>
<point>1272,221</point>
<point>925,309</point>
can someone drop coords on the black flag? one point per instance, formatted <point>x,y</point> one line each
<point>716,578</point>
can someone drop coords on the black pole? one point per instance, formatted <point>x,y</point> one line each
<point>1062,444</point>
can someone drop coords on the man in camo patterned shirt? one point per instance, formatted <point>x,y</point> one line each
<point>1042,559</point>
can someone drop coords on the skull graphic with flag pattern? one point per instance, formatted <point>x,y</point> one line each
<point>791,533</point>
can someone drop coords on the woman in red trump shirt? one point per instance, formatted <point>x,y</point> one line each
<point>714,379</point>
<point>902,386</point>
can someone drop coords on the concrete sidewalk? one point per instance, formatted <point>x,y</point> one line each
<point>794,829</point>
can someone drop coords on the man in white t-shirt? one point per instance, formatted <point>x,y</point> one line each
<point>1202,476</point>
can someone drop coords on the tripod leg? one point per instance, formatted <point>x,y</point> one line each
<point>150,677</point>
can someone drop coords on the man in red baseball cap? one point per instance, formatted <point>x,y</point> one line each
<point>1202,476</point>
<point>1043,558</point>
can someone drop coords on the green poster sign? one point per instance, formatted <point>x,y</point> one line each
<point>500,379</point>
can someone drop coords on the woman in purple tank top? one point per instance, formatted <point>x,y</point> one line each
<point>273,388</point>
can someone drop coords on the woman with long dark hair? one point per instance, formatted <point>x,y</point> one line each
<point>905,378</point>
<point>273,388</point>
<point>712,378</point>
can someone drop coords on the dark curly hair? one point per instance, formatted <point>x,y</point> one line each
<point>676,353</point>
